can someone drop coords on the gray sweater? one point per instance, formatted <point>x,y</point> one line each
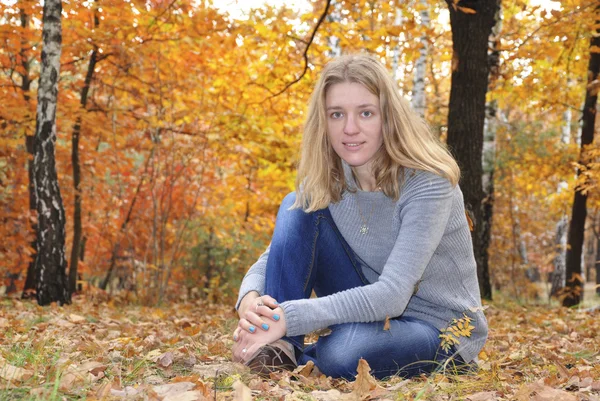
<point>417,256</point>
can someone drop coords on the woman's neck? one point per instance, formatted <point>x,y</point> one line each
<point>364,178</point>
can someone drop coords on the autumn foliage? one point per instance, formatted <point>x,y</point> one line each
<point>191,128</point>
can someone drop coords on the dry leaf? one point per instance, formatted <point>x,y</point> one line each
<point>165,360</point>
<point>483,396</point>
<point>76,318</point>
<point>13,373</point>
<point>103,390</point>
<point>364,383</point>
<point>187,396</point>
<point>332,395</point>
<point>386,325</point>
<point>173,388</point>
<point>540,392</point>
<point>305,370</point>
<point>241,392</point>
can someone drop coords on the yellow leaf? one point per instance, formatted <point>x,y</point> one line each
<point>386,325</point>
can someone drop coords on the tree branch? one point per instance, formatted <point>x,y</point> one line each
<point>312,37</point>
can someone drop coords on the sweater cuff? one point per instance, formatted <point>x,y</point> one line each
<point>291,319</point>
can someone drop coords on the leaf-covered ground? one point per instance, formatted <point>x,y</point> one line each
<point>97,350</point>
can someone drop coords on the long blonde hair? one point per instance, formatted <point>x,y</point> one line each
<point>407,140</point>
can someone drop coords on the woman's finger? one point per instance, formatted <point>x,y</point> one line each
<point>236,333</point>
<point>266,311</point>
<point>269,301</point>
<point>256,319</point>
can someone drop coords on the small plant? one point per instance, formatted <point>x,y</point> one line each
<point>459,328</point>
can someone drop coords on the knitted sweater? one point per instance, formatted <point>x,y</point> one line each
<point>417,256</point>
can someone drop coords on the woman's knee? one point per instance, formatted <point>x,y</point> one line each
<point>337,356</point>
<point>335,361</point>
<point>288,201</point>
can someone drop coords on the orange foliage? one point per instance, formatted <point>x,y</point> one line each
<point>187,145</point>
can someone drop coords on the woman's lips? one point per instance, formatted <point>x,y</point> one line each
<point>353,146</point>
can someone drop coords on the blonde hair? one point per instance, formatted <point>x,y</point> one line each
<point>407,140</point>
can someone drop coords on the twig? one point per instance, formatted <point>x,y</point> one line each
<point>314,32</point>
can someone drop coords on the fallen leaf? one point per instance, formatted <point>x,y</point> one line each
<point>305,370</point>
<point>364,383</point>
<point>241,392</point>
<point>483,396</point>
<point>73,318</point>
<point>186,396</point>
<point>13,373</point>
<point>332,395</point>
<point>165,360</point>
<point>173,388</point>
<point>539,392</point>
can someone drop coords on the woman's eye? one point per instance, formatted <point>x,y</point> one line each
<point>336,114</point>
<point>367,114</point>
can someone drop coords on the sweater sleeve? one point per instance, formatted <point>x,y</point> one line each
<point>254,280</point>
<point>424,209</point>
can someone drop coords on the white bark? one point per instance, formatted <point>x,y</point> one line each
<point>559,275</point>
<point>418,92</point>
<point>335,49</point>
<point>50,262</point>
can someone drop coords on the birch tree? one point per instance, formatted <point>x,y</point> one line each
<point>50,261</point>
<point>418,92</point>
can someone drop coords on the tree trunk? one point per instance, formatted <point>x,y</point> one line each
<point>50,262</point>
<point>418,91</point>
<point>597,264</point>
<point>30,279</point>
<point>77,230</point>
<point>117,244</point>
<point>557,277</point>
<point>489,142</point>
<point>574,282</point>
<point>470,71</point>
<point>559,274</point>
<point>335,49</point>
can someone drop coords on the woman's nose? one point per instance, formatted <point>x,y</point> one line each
<point>351,127</point>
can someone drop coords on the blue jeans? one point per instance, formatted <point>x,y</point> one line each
<point>309,253</point>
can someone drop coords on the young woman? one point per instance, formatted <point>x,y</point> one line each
<point>377,228</point>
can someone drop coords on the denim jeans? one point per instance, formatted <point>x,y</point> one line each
<point>309,253</point>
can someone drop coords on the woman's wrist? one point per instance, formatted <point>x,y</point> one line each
<point>247,301</point>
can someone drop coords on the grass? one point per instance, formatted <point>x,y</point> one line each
<point>528,343</point>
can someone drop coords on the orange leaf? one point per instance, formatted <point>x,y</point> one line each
<point>467,10</point>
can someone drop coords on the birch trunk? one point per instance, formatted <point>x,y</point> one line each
<point>418,92</point>
<point>558,276</point>
<point>50,263</point>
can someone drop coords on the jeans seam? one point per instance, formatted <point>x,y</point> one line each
<point>313,254</point>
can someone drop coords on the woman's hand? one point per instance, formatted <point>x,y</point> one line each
<point>247,342</point>
<point>258,312</point>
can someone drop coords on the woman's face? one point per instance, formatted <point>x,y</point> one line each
<point>354,124</point>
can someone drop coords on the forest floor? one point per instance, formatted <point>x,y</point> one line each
<point>114,351</point>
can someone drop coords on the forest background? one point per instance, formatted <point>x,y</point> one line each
<point>178,131</point>
<point>187,123</point>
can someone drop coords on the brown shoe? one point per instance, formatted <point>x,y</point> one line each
<point>272,357</point>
